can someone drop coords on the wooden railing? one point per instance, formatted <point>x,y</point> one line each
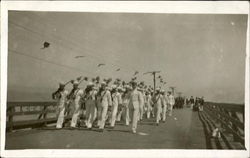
<point>39,110</point>
<point>227,117</point>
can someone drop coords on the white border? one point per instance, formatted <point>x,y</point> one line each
<point>229,7</point>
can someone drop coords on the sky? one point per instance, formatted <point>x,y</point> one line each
<point>199,54</point>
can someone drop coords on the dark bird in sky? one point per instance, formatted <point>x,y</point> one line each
<point>45,45</point>
<point>79,56</point>
<point>118,69</point>
<point>136,72</point>
<point>159,76</point>
<point>100,65</point>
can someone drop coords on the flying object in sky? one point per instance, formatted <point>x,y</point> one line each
<point>45,45</point>
<point>79,56</point>
<point>100,65</point>
<point>118,69</point>
<point>136,72</point>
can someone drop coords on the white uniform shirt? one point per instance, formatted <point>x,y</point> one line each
<point>117,99</point>
<point>77,96</point>
<point>171,99</point>
<point>61,101</point>
<point>125,99</point>
<point>91,96</point>
<point>136,99</point>
<point>104,99</point>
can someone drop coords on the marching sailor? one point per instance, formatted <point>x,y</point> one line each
<point>158,103</point>
<point>141,108</point>
<point>75,96</point>
<point>148,104</point>
<point>61,96</point>
<point>121,108</point>
<point>103,102</point>
<point>125,99</point>
<point>116,101</point>
<point>164,107</point>
<point>90,103</point>
<point>135,101</point>
<point>171,102</point>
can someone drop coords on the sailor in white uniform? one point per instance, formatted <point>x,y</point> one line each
<point>75,96</point>
<point>103,102</point>
<point>61,97</point>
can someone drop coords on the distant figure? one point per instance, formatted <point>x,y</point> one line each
<point>171,103</point>
<point>61,96</point>
<point>191,100</point>
<point>196,104</point>
<point>201,103</point>
<point>186,102</point>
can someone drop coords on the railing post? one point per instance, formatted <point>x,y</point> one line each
<point>234,127</point>
<point>12,109</point>
<point>45,115</point>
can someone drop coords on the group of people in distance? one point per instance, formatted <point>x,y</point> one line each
<point>196,104</point>
<point>102,104</point>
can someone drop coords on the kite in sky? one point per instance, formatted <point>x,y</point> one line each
<point>45,45</point>
<point>118,69</point>
<point>100,65</point>
<point>79,56</point>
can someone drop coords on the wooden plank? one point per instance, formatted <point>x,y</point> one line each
<point>234,121</point>
<point>30,123</point>
<point>241,140</point>
<point>30,112</point>
<point>10,104</point>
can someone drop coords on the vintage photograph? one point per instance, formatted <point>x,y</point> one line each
<point>103,80</point>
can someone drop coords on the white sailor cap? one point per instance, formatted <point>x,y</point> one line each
<point>158,89</point>
<point>103,83</point>
<point>120,88</point>
<point>114,86</point>
<point>61,83</point>
<point>75,83</point>
<point>108,88</point>
<point>90,84</point>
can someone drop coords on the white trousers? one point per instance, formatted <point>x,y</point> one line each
<point>113,115</point>
<point>149,110</point>
<point>134,114</point>
<point>60,116</point>
<point>164,112</point>
<point>158,110</point>
<point>75,115</point>
<point>90,114</point>
<point>102,112</point>
<point>170,109</point>
<point>141,111</point>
